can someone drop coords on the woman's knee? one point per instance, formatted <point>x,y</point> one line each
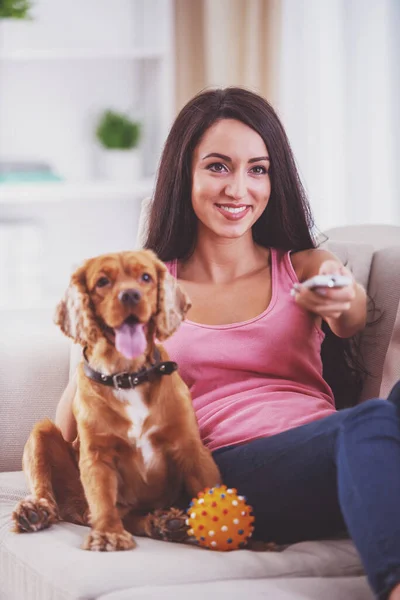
<point>369,413</point>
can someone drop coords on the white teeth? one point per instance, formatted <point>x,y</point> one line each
<point>230,209</point>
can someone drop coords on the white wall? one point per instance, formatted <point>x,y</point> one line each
<point>70,234</point>
<point>339,102</point>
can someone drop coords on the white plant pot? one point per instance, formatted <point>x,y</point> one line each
<point>121,165</point>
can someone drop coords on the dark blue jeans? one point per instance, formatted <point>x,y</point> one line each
<point>336,474</point>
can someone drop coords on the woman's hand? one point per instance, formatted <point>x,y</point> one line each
<point>344,309</point>
<point>323,301</point>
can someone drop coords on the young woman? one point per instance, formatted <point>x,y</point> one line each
<point>231,219</point>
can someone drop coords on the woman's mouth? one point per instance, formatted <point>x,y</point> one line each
<point>233,212</point>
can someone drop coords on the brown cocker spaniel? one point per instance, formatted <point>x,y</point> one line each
<point>138,451</point>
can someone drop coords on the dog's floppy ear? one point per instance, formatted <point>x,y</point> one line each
<point>173,303</point>
<point>74,314</point>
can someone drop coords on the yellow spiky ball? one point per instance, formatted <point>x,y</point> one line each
<point>219,519</point>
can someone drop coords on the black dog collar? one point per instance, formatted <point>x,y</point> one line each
<point>128,381</point>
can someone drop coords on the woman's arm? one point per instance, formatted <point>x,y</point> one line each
<point>65,419</point>
<point>345,309</point>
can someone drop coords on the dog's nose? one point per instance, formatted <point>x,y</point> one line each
<point>129,297</point>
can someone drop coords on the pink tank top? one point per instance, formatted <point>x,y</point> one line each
<point>255,378</point>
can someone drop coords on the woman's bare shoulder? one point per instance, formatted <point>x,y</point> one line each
<point>306,263</point>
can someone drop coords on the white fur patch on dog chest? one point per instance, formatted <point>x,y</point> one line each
<point>137,412</point>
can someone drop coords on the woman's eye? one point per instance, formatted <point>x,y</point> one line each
<point>146,277</point>
<point>102,282</point>
<point>259,170</point>
<point>217,168</point>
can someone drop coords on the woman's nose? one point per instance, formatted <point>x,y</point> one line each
<point>236,187</point>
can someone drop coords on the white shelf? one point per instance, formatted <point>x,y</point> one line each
<point>22,193</point>
<point>71,70</point>
<point>27,54</point>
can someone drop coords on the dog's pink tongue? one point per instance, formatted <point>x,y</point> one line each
<point>130,340</point>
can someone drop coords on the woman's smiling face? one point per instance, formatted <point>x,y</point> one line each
<point>230,182</point>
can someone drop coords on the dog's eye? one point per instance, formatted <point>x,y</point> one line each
<point>146,277</point>
<point>102,282</point>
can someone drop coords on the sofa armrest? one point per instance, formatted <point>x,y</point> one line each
<point>375,264</point>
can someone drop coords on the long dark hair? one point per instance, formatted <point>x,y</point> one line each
<point>286,223</point>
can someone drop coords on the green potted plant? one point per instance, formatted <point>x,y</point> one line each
<point>15,9</point>
<point>14,18</point>
<point>119,137</point>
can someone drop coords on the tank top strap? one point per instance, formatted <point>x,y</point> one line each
<point>283,273</point>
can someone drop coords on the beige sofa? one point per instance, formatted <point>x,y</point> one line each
<point>50,565</point>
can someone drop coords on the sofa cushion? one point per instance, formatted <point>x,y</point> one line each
<point>381,342</point>
<point>357,257</point>
<point>143,223</point>
<point>33,373</point>
<point>315,588</point>
<point>51,564</point>
<point>391,366</point>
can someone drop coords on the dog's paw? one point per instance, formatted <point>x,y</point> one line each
<point>169,525</point>
<point>34,514</point>
<point>103,541</point>
<point>259,546</point>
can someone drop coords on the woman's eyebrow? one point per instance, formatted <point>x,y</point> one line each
<point>252,160</point>
<point>228,159</point>
<point>217,155</point>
